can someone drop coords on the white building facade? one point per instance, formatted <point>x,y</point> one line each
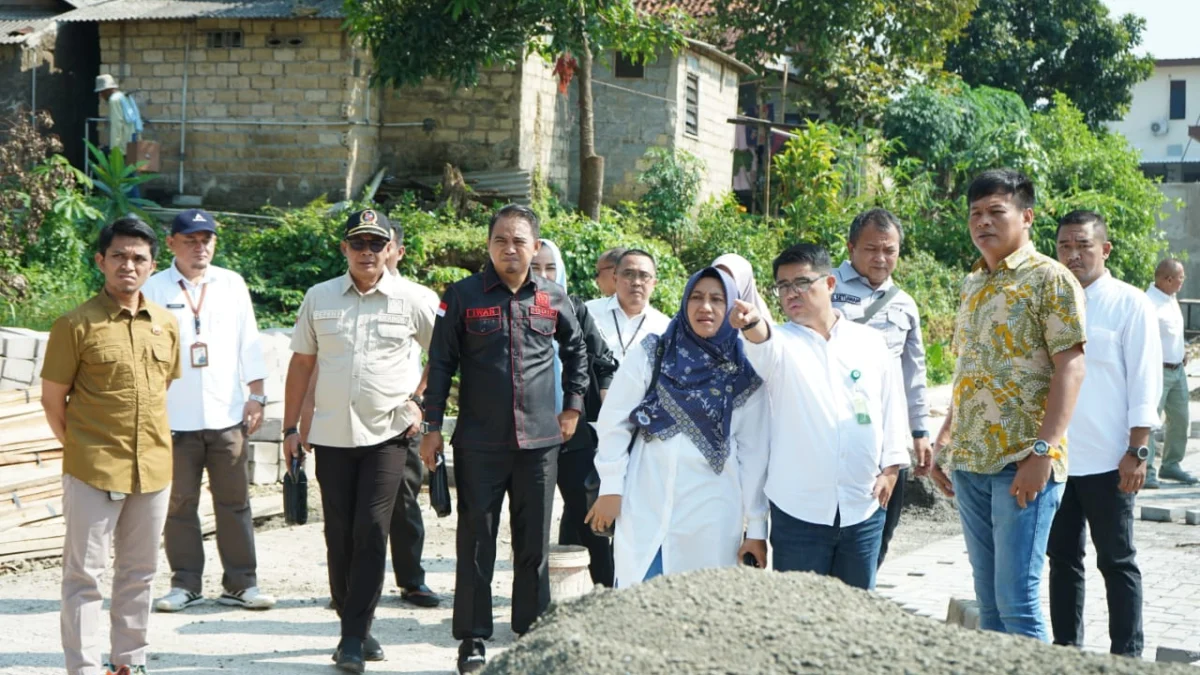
<point>1163,109</point>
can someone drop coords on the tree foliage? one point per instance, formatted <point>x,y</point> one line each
<point>850,56</point>
<point>1038,48</point>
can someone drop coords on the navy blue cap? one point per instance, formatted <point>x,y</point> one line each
<point>193,220</point>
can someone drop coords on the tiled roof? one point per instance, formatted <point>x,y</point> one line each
<point>153,10</point>
<point>696,8</point>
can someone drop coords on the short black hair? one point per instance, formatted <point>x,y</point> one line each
<point>397,232</point>
<point>127,226</point>
<point>631,252</point>
<point>1003,182</point>
<point>517,211</point>
<point>813,255</point>
<point>612,255</point>
<point>880,218</point>
<point>1084,217</point>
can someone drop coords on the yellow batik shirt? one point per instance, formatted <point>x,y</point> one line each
<point>1010,322</point>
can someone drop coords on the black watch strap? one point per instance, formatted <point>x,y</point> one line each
<point>920,434</point>
<point>290,430</point>
<point>419,400</point>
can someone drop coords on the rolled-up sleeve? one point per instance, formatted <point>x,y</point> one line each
<point>1143,355</point>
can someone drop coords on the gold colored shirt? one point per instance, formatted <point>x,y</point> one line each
<point>1010,323</point>
<point>119,366</point>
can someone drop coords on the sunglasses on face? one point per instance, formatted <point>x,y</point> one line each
<point>360,244</point>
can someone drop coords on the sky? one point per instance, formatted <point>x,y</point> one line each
<point>1171,26</point>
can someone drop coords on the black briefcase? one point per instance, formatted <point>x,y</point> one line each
<point>439,488</point>
<point>295,494</point>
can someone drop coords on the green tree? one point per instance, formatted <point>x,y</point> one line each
<point>673,186</point>
<point>415,39</point>
<point>1038,48</point>
<point>849,56</point>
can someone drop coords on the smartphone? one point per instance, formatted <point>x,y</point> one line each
<point>749,560</point>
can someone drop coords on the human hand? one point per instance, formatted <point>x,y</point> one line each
<point>1033,473</point>
<point>603,513</point>
<point>1132,472</point>
<point>743,314</point>
<point>756,548</point>
<point>924,453</point>
<point>885,484</point>
<point>252,416</point>
<point>418,417</point>
<point>568,420</point>
<point>294,447</point>
<point>431,447</point>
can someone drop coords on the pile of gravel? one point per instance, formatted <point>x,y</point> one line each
<point>752,621</point>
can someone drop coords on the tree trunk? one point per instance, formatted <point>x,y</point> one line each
<point>591,165</point>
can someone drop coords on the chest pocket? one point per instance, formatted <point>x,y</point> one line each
<point>327,324</point>
<point>159,364</point>
<point>105,368</point>
<point>1103,345</point>
<point>896,325</point>
<point>483,320</point>
<point>543,320</point>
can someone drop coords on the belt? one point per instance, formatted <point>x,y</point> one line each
<point>1172,366</point>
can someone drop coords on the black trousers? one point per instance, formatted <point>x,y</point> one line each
<point>483,477</point>
<point>1095,502</point>
<point>573,468</point>
<point>895,506</point>
<point>408,529</point>
<point>358,491</point>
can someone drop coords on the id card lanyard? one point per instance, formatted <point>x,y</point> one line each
<point>862,413</point>
<point>199,350</point>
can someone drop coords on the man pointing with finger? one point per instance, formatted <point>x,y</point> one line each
<point>499,329</point>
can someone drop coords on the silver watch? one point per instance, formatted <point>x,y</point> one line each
<point>259,399</point>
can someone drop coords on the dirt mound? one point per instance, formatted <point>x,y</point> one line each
<point>751,621</point>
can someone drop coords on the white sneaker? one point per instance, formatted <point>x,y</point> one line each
<point>177,600</point>
<point>250,598</point>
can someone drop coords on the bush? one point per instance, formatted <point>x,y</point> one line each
<point>935,288</point>
<point>673,182</point>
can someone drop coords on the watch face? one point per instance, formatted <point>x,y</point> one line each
<point>1143,453</point>
<point>1041,448</point>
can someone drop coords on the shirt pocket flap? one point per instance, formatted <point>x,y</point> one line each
<point>162,352</point>
<point>325,326</point>
<point>900,319</point>
<point>101,355</point>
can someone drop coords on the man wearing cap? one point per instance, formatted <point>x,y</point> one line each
<point>210,416</point>
<point>361,329</point>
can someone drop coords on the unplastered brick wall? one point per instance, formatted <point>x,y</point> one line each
<point>547,121</point>
<point>476,128</point>
<point>282,118</point>
<point>714,142</point>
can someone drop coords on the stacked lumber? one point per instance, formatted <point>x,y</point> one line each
<point>21,354</point>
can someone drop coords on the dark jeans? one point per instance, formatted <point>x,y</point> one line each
<point>894,507</point>
<point>847,553</point>
<point>483,477</point>
<point>573,468</point>
<point>1095,502</point>
<point>358,490</point>
<point>408,529</point>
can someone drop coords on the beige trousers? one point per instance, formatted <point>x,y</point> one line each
<point>95,523</point>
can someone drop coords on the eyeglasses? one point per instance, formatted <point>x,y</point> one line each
<point>360,244</point>
<point>798,286</point>
<point>602,270</point>
<point>634,275</point>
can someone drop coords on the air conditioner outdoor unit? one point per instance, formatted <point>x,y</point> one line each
<point>1159,127</point>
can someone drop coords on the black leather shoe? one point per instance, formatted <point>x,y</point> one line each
<point>349,655</point>
<point>471,657</point>
<point>421,596</point>
<point>372,650</point>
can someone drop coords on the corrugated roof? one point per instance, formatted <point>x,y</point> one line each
<point>16,25</point>
<point>159,10</point>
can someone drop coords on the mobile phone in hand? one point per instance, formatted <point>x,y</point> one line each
<point>749,560</point>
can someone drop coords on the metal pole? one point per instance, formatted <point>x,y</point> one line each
<point>187,52</point>
<point>33,97</point>
<point>783,94</point>
<point>767,188</point>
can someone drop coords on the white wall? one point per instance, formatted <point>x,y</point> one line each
<point>1151,102</point>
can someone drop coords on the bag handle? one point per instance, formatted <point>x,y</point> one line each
<point>873,308</point>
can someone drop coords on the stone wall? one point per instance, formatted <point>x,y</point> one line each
<point>283,123</point>
<point>718,98</point>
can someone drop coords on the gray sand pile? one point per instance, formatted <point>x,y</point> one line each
<point>751,621</point>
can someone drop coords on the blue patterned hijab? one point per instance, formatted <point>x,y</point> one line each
<point>700,381</point>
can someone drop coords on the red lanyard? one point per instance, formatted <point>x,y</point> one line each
<point>195,307</point>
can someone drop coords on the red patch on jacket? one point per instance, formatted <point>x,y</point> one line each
<point>543,311</point>
<point>483,312</point>
<point>541,299</point>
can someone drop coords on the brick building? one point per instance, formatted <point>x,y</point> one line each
<point>268,100</point>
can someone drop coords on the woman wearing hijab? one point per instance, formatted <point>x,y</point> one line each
<point>575,460</point>
<point>695,474</point>
<point>743,278</point>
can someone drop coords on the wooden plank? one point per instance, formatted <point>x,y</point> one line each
<point>50,510</point>
<point>34,458</point>
<point>21,395</point>
<point>31,545</point>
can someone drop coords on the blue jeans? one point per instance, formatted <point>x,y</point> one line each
<point>1007,548</point>
<point>847,553</point>
<point>656,569</point>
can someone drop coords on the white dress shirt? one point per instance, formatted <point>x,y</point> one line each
<point>211,397</point>
<point>1170,324</point>
<point>670,496</point>
<point>1124,377</point>
<point>622,332</point>
<point>822,460</point>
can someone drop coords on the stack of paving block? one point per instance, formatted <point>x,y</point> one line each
<point>21,354</point>
<point>266,445</point>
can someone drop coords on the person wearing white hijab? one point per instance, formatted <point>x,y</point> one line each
<point>743,278</point>
<point>576,459</point>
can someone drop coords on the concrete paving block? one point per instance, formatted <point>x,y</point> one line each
<point>1158,514</point>
<point>271,430</point>
<point>20,370</point>
<point>22,344</point>
<point>263,452</point>
<point>1192,516</point>
<point>263,474</point>
<point>11,385</point>
<point>1174,655</point>
<point>274,410</point>
<point>963,612</point>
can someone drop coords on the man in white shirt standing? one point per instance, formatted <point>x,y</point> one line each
<point>1108,434</point>
<point>209,415</point>
<point>606,273</point>
<point>1168,279</point>
<point>626,317</point>
<point>838,423</point>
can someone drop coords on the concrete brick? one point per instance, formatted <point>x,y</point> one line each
<point>1175,655</point>
<point>1192,516</point>
<point>315,95</point>
<point>227,69</point>
<point>284,55</point>
<point>239,82</point>
<point>266,452</point>
<point>250,68</point>
<point>152,56</point>
<point>21,343</point>
<point>262,110</point>
<point>1158,514</point>
<point>272,68</point>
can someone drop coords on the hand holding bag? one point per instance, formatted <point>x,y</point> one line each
<point>439,488</point>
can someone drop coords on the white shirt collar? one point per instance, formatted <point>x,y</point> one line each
<point>615,304</point>
<point>850,274</point>
<point>177,276</point>
<point>1158,291</point>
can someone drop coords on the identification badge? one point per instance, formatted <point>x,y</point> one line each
<point>862,413</point>
<point>199,355</point>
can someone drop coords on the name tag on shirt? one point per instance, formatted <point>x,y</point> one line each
<point>846,299</point>
<point>327,314</point>
<point>393,318</point>
<point>397,306</point>
<point>174,305</point>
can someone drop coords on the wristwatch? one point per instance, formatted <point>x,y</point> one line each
<point>289,431</point>
<point>920,434</point>
<point>1142,453</point>
<point>419,400</point>
<point>259,399</point>
<point>427,427</point>
<point>1043,449</point>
